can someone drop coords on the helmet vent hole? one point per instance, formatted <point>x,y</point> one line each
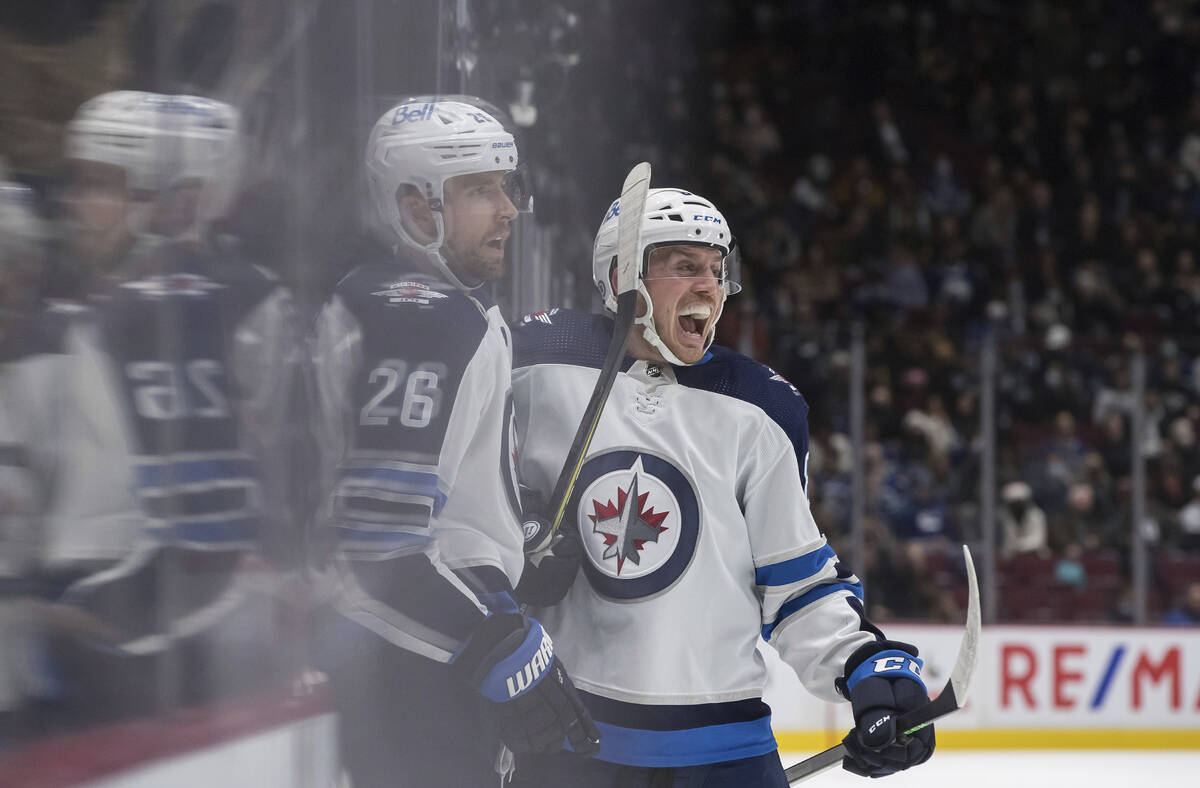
<point>675,217</point>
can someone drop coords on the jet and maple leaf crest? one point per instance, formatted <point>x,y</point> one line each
<point>627,525</point>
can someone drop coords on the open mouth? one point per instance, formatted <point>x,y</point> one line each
<point>692,321</point>
<point>496,243</point>
<point>690,326</point>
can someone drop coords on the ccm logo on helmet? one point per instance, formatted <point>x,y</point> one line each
<point>411,112</point>
<point>703,217</point>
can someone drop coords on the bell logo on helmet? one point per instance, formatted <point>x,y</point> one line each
<point>406,113</point>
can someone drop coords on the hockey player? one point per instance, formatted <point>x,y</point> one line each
<point>145,414</point>
<point>431,662</point>
<point>696,534</point>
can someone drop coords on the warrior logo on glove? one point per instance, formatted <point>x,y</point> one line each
<point>528,675</point>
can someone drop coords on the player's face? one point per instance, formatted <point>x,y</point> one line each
<point>97,201</point>
<point>684,281</point>
<point>477,216</point>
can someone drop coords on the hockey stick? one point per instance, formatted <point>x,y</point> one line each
<point>951,699</point>
<point>629,225</point>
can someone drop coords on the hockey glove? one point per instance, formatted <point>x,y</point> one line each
<point>882,681</point>
<point>550,571</point>
<point>551,559</point>
<point>510,659</point>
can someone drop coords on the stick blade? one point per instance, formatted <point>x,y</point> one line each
<point>951,699</point>
<point>968,652</point>
<point>629,226</point>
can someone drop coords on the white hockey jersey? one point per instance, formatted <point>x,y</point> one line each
<point>414,388</point>
<point>143,419</point>
<point>698,542</point>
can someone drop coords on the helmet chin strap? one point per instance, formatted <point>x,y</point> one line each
<point>646,321</point>
<point>432,251</point>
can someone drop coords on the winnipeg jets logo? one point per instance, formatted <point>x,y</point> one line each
<point>173,285</point>
<point>639,521</point>
<point>409,293</point>
<point>627,526</point>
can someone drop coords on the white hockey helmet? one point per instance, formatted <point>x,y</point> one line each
<point>671,216</point>
<point>161,141</point>
<point>423,142</point>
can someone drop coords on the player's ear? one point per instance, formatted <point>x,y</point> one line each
<point>416,214</point>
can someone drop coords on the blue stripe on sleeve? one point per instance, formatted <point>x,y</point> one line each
<point>820,592</point>
<point>380,539</point>
<point>224,531</point>
<point>794,569</point>
<point>192,472</point>
<point>416,479</point>
<point>412,482</point>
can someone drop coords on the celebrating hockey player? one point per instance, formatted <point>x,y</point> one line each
<point>693,523</point>
<point>431,661</point>
<point>144,412</point>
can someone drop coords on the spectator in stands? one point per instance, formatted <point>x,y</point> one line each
<point>1187,612</point>
<point>1022,522</point>
<point>1189,520</point>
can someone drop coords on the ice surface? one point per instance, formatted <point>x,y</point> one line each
<point>1030,769</point>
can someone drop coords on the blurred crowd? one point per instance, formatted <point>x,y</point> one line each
<point>939,172</point>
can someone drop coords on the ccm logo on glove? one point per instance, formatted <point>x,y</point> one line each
<point>884,664</point>
<point>881,721</point>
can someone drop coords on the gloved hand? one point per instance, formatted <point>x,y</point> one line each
<point>882,681</point>
<point>550,570</point>
<point>511,661</point>
<point>551,560</point>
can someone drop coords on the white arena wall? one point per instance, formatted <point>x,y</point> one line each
<point>1036,687</point>
<point>1051,686</point>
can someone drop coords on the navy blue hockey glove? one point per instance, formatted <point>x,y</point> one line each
<point>511,661</point>
<point>882,681</point>
<point>551,560</point>
<point>550,570</point>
